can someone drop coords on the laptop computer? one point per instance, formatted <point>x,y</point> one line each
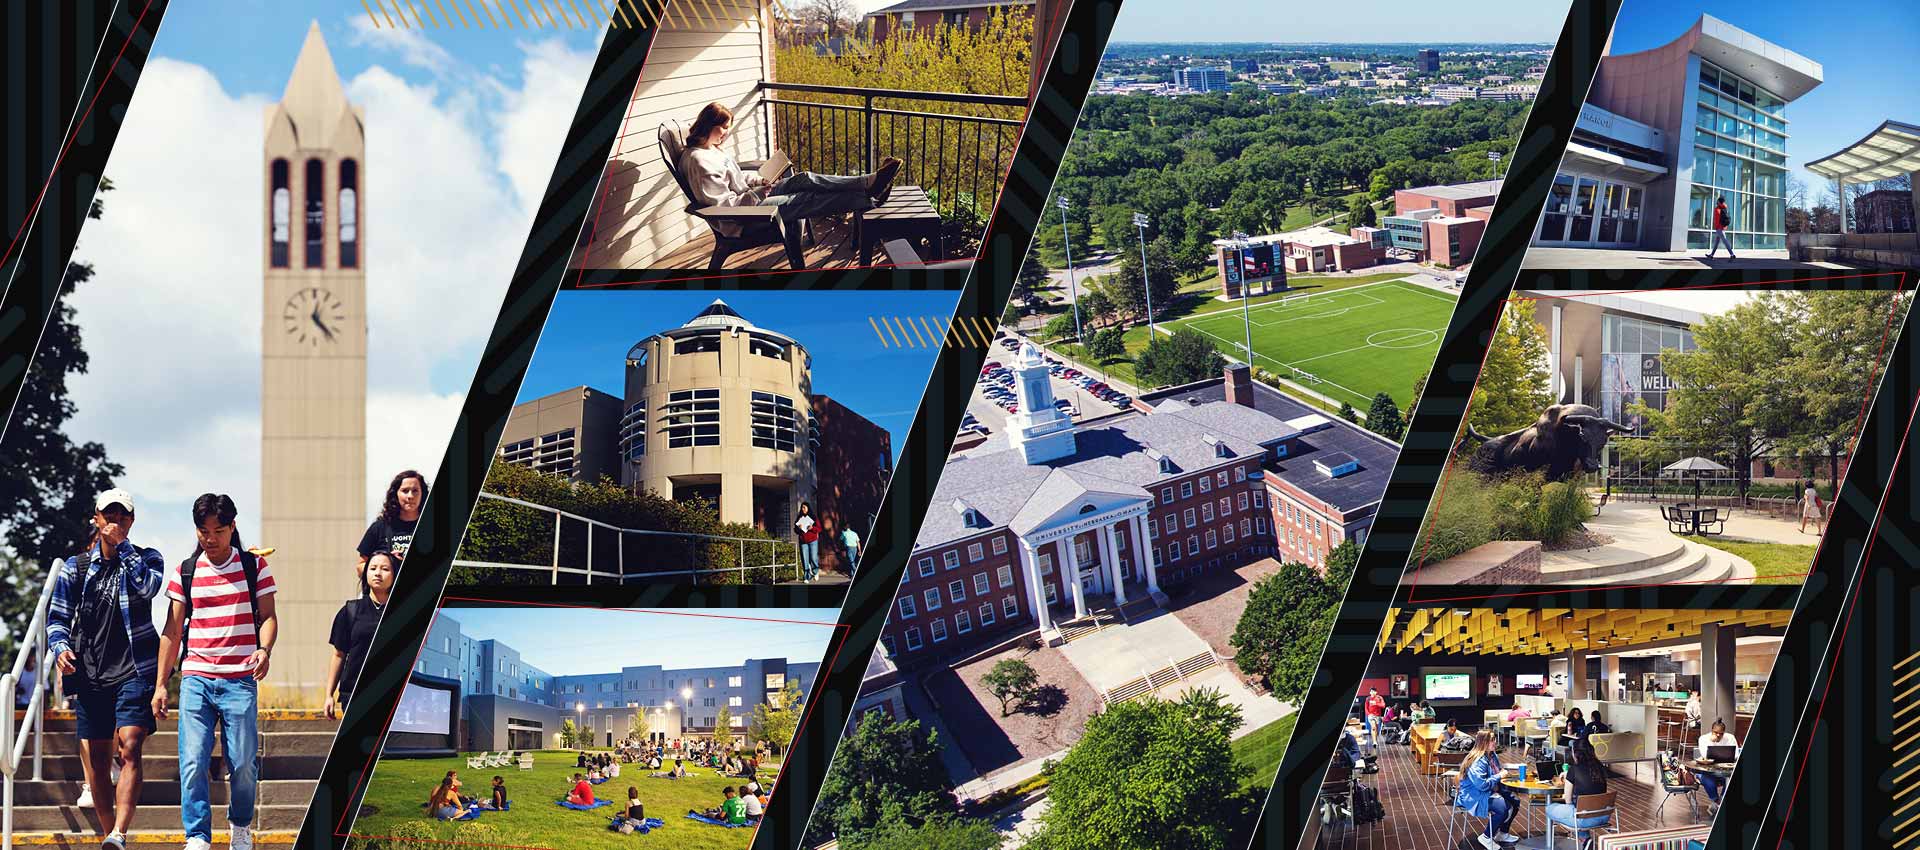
<point>1721,753</point>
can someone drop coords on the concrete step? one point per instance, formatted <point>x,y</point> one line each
<point>272,792</point>
<point>147,839</point>
<point>165,766</point>
<point>1625,562</point>
<point>72,819</point>
<point>64,743</point>
<point>271,720</point>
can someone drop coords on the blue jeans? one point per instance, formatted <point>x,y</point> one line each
<point>1499,814</point>
<point>234,703</point>
<point>853,556</point>
<point>1562,814</point>
<point>1719,239</point>
<point>1710,784</point>
<point>810,559</point>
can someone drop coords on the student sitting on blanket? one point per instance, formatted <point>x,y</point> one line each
<point>444,802</point>
<point>732,809</point>
<point>752,805</point>
<point>593,775</point>
<point>636,814</point>
<point>499,799</point>
<point>582,793</point>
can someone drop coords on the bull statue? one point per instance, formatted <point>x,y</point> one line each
<point>1564,441</point>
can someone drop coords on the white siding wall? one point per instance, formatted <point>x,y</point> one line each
<point>695,60</point>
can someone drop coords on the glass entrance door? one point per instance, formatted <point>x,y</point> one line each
<point>1580,218</point>
<point>1592,212</point>
<point>1553,220</point>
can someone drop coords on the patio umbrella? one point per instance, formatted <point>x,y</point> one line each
<point>1696,465</point>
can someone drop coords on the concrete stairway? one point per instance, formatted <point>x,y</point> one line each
<point>294,747</point>
<point>1645,556</point>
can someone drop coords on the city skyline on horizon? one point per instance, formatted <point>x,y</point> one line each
<point>1393,21</point>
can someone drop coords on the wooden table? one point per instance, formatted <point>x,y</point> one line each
<point>908,214</point>
<point>1426,738</point>
<point>1535,791</point>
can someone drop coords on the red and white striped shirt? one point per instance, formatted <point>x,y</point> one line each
<point>220,634</point>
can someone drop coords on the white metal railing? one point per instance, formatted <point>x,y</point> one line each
<point>15,733</point>
<point>555,569</point>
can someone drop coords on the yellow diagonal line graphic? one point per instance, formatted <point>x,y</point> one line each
<point>984,328</point>
<point>518,13</point>
<point>597,20</point>
<point>964,332</point>
<point>894,329</point>
<point>1907,660</point>
<point>932,340</point>
<point>1910,772</point>
<point>914,329</point>
<point>456,11</point>
<point>1909,805</point>
<point>1910,674</point>
<point>370,18</point>
<point>1902,696</point>
<point>876,332</point>
<point>426,8</point>
<point>480,6</point>
<point>1904,709</point>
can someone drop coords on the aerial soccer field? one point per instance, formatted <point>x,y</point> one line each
<point>1347,344</point>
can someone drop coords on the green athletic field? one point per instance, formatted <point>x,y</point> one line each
<point>398,787</point>
<point>1346,344</point>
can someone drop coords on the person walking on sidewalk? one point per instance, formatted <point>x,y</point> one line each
<point>1720,222</point>
<point>100,633</point>
<point>353,629</point>
<point>221,625</point>
<point>851,539</point>
<point>806,532</point>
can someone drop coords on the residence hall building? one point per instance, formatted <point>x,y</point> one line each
<point>507,703</point>
<point>1666,131</point>
<point>719,409</point>
<point>906,15</point>
<point>1046,523</point>
<point>1431,224</point>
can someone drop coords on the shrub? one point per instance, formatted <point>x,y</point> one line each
<point>1563,507</point>
<point>1475,509</point>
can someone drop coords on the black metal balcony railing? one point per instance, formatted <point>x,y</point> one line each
<point>960,157</point>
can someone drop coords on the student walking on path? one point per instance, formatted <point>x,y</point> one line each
<point>1720,222</point>
<point>1811,508</point>
<point>100,633</point>
<point>392,530</point>
<point>221,625</point>
<point>353,629</point>
<point>806,532</point>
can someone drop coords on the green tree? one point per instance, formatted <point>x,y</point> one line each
<point>1384,418</point>
<point>1515,384</point>
<point>1124,289</point>
<point>944,832</point>
<point>51,479</point>
<point>774,721</point>
<point>1012,681</point>
<point>1059,327</point>
<point>1360,213</point>
<point>1183,357</point>
<point>885,770</point>
<point>1419,389</point>
<point>571,736</point>
<point>1731,398</point>
<point>1282,630</point>
<point>1107,345</point>
<point>1029,281</point>
<point>1348,413</point>
<point>1149,774</point>
<point>722,734</point>
<point>1095,306</point>
<point>1838,351</point>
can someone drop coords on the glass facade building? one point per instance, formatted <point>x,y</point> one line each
<point>1740,154</point>
<point>1630,366</point>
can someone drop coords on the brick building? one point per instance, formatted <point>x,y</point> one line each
<point>911,13</point>
<point>1046,523</point>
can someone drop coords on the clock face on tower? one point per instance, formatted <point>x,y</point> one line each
<point>314,317</point>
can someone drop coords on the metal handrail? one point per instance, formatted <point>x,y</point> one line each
<point>13,739</point>
<point>555,570</point>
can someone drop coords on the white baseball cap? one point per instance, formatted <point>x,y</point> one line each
<point>115,496</point>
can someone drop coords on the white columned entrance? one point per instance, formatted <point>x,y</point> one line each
<point>1036,597</point>
<point>1072,558</point>
<point>1110,554</point>
<point>1144,551</point>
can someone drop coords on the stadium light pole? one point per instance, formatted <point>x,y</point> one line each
<point>1146,283</point>
<point>1073,290</point>
<point>1241,242</point>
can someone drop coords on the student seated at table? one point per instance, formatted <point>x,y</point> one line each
<point>1586,775</point>
<point>582,793</point>
<point>1576,723</point>
<point>1453,740</point>
<point>1422,712</point>
<point>1598,725</point>
<point>1518,713</point>
<point>444,802</point>
<point>732,809</point>
<point>1718,736</point>
<point>1481,795</point>
<point>1349,746</point>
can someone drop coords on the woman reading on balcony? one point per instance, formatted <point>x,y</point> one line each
<point>716,177</point>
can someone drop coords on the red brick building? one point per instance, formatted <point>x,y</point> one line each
<point>1051,521</point>
<point>911,13</point>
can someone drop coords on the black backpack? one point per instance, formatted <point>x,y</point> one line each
<point>249,567</point>
<point>1366,805</point>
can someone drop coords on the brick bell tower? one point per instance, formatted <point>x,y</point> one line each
<point>313,400</point>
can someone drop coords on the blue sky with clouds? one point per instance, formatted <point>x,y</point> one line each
<point>1864,47</point>
<point>589,333</point>
<point>574,641</point>
<point>1377,22</point>
<point>463,127</point>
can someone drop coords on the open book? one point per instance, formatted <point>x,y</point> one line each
<point>774,168</point>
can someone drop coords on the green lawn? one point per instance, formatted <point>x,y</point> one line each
<point>1262,750</point>
<point>399,787</point>
<point>1773,563</point>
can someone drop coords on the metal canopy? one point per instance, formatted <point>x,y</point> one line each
<point>1891,150</point>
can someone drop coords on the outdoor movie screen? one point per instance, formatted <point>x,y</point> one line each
<point>424,709</point>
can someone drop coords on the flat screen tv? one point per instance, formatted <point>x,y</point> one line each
<point>1447,687</point>
<point>1530,680</point>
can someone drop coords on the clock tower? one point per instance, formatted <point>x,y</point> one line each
<point>313,399</point>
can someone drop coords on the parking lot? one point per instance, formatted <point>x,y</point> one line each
<point>993,416</point>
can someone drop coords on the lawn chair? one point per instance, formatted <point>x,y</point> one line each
<point>526,761</point>
<point>499,759</point>
<point>477,762</point>
<point>901,255</point>
<point>754,225</point>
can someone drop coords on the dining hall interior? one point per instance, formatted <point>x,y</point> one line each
<point>1522,675</point>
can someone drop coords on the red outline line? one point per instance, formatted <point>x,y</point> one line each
<point>1859,576</point>
<point>342,828</point>
<point>1413,575</point>
<point>34,211</point>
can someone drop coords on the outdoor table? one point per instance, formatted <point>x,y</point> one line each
<point>1540,793</point>
<point>908,214</point>
<point>1694,513</point>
